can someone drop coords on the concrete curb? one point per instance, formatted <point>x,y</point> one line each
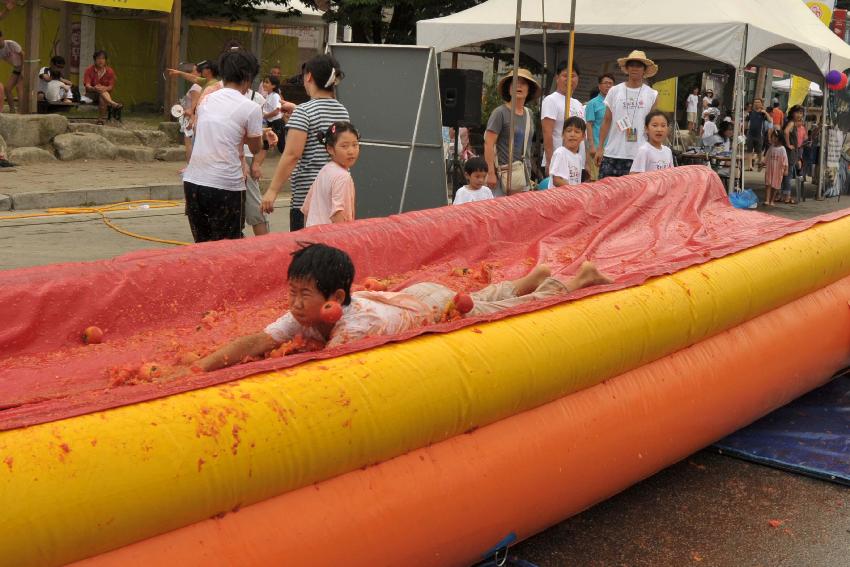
<point>103,196</point>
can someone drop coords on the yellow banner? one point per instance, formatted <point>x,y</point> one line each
<point>800,86</point>
<point>158,5</point>
<point>666,94</point>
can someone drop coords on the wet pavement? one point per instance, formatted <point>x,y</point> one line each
<point>707,510</point>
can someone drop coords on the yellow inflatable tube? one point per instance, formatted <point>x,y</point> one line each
<point>85,485</point>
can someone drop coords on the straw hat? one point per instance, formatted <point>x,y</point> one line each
<point>637,55</point>
<point>533,86</point>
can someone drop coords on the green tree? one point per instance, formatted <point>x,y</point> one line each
<point>233,10</point>
<point>387,21</point>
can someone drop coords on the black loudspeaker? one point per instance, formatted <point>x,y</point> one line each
<point>460,96</point>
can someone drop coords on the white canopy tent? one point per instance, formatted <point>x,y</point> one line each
<point>682,36</point>
<point>784,86</point>
<point>679,35</point>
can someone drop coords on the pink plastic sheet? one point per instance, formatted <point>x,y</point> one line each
<point>151,304</point>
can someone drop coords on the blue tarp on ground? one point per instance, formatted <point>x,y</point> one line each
<point>809,436</point>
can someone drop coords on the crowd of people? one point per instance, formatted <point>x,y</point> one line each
<point>55,88</point>
<point>618,132</point>
<point>229,127</point>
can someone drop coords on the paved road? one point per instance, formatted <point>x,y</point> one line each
<point>78,238</point>
<point>708,510</point>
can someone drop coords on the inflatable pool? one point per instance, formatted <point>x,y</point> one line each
<point>422,449</point>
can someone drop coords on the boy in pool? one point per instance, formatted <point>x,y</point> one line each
<point>319,274</point>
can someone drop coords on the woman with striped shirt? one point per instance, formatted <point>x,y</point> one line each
<point>303,156</point>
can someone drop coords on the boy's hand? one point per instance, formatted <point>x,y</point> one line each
<point>597,157</point>
<point>268,202</point>
<point>492,182</point>
<point>256,172</point>
<point>271,137</point>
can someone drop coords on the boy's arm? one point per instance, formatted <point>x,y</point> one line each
<point>603,135</point>
<point>559,181</point>
<point>237,351</point>
<point>548,126</point>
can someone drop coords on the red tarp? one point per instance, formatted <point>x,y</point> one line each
<point>150,304</point>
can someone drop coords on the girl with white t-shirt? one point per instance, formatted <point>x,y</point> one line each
<point>654,155</point>
<point>272,112</point>
<point>331,196</point>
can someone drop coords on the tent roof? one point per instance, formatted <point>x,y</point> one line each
<point>680,35</point>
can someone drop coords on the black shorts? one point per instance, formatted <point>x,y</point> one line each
<point>755,143</point>
<point>614,167</point>
<point>214,214</point>
<point>296,219</point>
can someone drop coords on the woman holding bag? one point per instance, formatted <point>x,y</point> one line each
<point>497,137</point>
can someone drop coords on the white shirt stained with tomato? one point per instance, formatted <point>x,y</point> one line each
<point>370,314</point>
<point>330,193</point>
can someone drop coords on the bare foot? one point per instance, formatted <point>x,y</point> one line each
<point>589,275</point>
<point>532,280</point>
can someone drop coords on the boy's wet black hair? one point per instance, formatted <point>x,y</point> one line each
<point>331,135</point>
<point>575,122</point>
<point>98,53</point>
<point>653,114</point>
<point>475,164</point>
<point>238,66</point>
<point>57,60</point>
<point>330,268</point>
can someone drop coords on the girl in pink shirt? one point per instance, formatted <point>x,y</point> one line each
<point>331,196</point>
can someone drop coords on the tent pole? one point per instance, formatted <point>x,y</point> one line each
<point>416,130</point>
<point>823,137</point>
<point>545,49</point>
<point>570,59</point>
<point>738,112</point>
<point>514,81</point>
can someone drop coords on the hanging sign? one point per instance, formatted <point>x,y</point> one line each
<point>158,5</point>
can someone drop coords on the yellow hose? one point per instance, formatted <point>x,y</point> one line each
<point>102,211</point>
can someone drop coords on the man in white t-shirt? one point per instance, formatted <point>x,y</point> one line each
<point>692,109</point>
<point>214,181</point>
<point>12,53</point>
<point>553,108</point>
<point>626,107</point>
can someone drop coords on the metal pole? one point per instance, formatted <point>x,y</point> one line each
<point>545,48</point>
<point>738,112</point>
<point>823,138</point>
<point>415,130</point>
<point>570,59</point>
<point>514,82</point>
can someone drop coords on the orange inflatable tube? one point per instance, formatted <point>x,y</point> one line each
<point>445,504</point>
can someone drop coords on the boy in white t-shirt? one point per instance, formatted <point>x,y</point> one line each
<point>324,313</point>
<point>475,189</point>
<point>568,164</point>
<point>627,105</point>
<point>692,109</point>
<point>552,111</point>
<point>654,155</point>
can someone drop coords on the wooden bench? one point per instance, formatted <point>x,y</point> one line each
<point>45,107</point>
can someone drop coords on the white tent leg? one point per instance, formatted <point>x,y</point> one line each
<point>416,131</point>
<point>738,100</point>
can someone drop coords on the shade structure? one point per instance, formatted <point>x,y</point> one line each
<point>681,36</point>
<point>784,86</point>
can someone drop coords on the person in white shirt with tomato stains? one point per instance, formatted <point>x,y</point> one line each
<point>627,105</point>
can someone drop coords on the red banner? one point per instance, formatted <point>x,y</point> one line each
<point>839,22</point>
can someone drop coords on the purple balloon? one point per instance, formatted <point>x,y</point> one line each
<point>833,77</point>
